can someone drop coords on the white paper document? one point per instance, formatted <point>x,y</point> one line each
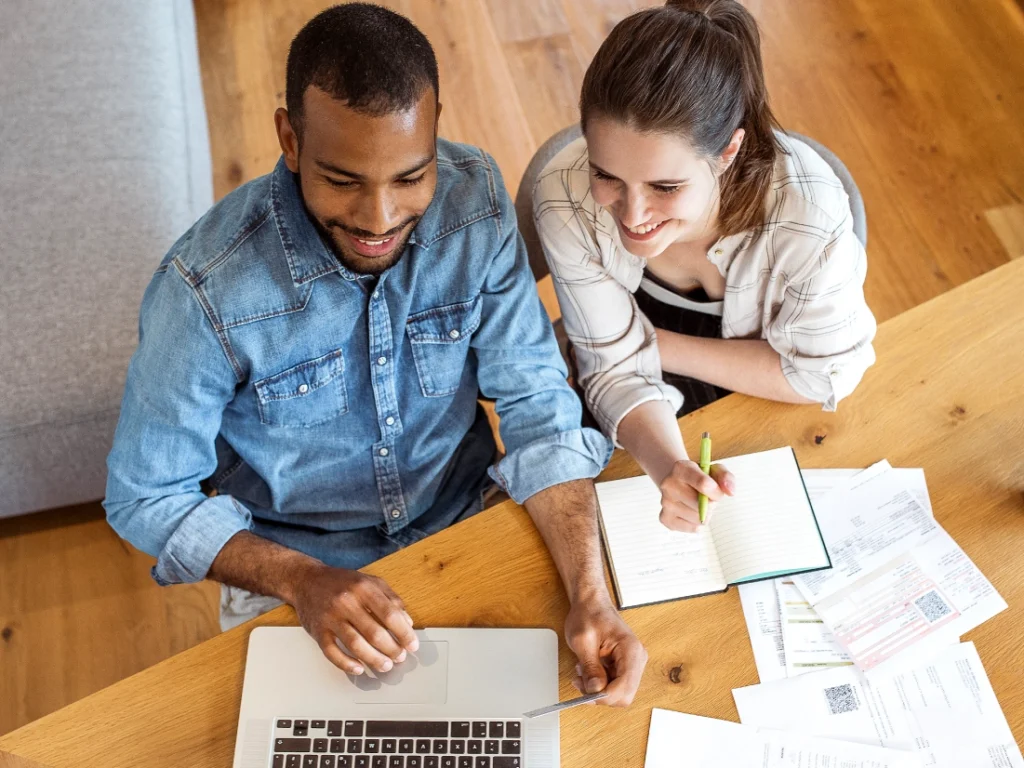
<point>808,644</point>
<point>944,711</point>
<point>678,740</point>
<point>900,587</point>
<point>760,599</point>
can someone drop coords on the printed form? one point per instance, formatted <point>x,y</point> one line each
<point>802,651</point>
<point>900,587</point>
<point>945,711</point>
<point>679,740</point>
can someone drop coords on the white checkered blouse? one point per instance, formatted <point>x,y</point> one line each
<point>797,282</point>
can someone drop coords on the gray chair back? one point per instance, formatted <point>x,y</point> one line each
<point>554,145</point>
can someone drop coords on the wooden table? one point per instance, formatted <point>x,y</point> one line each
<point>947,394</point>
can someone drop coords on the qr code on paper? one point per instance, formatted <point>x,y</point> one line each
<point>841,699</point>
<point>932,606</point>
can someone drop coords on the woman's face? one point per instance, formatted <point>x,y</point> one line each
<point>658,189</point>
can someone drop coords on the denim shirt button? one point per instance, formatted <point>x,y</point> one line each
<point>453,334</point>
<point>390,420</point>
<point>303,389</point>
<point>381,360</point>
<point>383,451</point>
<point>395,514</point>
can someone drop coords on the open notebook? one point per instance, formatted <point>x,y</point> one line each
<point>767,529</point>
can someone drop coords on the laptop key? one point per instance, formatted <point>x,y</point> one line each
<point>309,761</point>
<point>362,761</point>
<point>431,761</point>
<point>510,747</point>
<point>284,723</point>
<point>344,761</point>
<point>278,761</point>
<point>319,745</point>
<point>380,761</point>
<point>355,745</point>
<point>399,728</point>
<point>479,730</point>
<point>491,747</point>
<point>422,746</point>
<point>318,724</point>
<point>440,746</point>
<point>506,762</point>
<point>483,762</point>
<point>414,761</point>
<point>353,727</point>
<point>334,727</point>
<point>448,762</point>
<point>294,761</point>
<point>372,746</point>
<point>460,730</point>
<point>301,728</point>
<point>327,761</point>
<point>466,762</point>
<point>292,745</point>
<point>475,747</point>
<point>405,746</point>
<point>497,730</point>
<point>396,761</point>
<point>337,745</point>
<point>457,747</point>
<point>389,745</point>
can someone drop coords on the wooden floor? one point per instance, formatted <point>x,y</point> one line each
<point>923,101</point>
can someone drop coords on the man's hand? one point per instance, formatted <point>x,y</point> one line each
<point>679,493</point>
<point>360,610</point>
<point>610,657</point>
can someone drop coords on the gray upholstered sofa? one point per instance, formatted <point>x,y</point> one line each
<point>104,162</point>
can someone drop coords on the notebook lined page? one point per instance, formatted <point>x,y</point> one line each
<point>768,526</point>
<point>650,563</point>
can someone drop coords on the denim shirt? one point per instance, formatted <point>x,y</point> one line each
<point>335,413</point>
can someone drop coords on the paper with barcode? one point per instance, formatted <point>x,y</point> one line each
<point>900,588</point>
<point>774,657</point>
<point>945,711</point>
<point>678,739</point>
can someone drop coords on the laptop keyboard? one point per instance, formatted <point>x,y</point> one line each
<point>304,743</point>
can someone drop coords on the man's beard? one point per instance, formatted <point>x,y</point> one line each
<point>355,262</point>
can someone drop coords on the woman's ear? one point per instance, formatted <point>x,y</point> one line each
<point>731,150</point>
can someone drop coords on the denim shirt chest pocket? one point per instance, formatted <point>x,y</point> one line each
<point>305,395</point>
<point>440,342</point>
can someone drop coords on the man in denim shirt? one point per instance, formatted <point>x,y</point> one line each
<point>314,348</point>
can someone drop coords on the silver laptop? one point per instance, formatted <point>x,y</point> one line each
<point>457,703</point>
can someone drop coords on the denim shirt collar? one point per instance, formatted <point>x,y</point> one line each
<point>308,256</point>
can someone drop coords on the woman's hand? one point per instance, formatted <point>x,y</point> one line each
<point>679,491</point>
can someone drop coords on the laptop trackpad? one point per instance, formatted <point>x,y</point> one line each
<point>421,679</point>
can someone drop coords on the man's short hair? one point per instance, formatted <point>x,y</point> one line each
<point>373,59</point>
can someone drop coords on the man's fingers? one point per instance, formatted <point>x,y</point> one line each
<point>629,659</point>
<point>592,673</point>
<point>328,644</point>
<point>397,622</point>
<point>358,646</point>
<point>726,480</point>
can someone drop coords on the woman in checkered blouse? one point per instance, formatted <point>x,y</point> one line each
<point>696,249</point>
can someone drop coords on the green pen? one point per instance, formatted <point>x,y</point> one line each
<point>705,467</point>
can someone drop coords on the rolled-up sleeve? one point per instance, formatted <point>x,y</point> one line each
<point>823,328</point>
<point>179,383</point>
<point>614,344</point>
<point>520,367</point>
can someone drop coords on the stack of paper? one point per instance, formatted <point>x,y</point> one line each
<point>944,711</point>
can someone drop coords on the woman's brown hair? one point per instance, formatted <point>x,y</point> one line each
<point>693,68</point>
